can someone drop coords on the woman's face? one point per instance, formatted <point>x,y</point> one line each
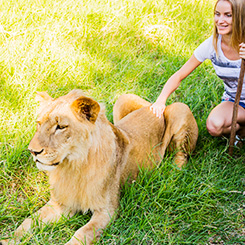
<point>223,17</point>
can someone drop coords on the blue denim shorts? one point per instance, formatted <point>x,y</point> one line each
<point>231,100</point>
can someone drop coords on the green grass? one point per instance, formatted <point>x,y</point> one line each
<point>108,48</point>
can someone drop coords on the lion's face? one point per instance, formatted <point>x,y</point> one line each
<point>64,128</point>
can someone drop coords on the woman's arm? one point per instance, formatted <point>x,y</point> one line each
<point>172,84</point>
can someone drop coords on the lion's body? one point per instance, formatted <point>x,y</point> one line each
<point>87,157</point>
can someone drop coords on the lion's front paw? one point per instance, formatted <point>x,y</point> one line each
<point>82,240</point>
<point>3,242</point>
<point>8,242</point>
<point>75,241</point>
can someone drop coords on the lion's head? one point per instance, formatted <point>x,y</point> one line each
<point>64,128</point>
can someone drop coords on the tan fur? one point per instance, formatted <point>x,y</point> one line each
<point>87,157</point>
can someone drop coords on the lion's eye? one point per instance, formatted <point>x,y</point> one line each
<point>38,125</point>
<point>61,127</point>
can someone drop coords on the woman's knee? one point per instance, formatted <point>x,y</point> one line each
<point>214,127</point>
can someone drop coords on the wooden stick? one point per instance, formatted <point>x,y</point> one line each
<point>235,108</point>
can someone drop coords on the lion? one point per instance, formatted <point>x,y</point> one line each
<point>88,158</point>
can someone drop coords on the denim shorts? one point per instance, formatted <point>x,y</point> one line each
<point>231,100</point>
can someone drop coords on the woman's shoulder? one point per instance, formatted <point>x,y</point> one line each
<point>209,41</point>
<point>205,49</point>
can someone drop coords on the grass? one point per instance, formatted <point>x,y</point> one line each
<point>108,48</point>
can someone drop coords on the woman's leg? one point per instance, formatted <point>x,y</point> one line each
<point>220,119</point>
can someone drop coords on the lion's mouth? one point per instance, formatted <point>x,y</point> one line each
<point>53,164</point>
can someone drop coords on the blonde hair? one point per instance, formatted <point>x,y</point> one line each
<point>238,24</point>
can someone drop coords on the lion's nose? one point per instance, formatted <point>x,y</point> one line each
<point>35,153</point>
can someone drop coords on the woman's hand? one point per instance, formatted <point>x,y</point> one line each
<point>158,108</point>
<point>242,50</point>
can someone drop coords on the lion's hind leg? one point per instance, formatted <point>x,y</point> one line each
<point>181,132</point>
<point>127,103</point>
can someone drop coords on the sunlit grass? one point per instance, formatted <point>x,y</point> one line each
<point>108,48</point>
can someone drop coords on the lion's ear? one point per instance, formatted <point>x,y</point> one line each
<point>87,107</point>
<point>43,97</point>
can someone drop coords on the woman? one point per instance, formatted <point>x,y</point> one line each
<point>225,49</point>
